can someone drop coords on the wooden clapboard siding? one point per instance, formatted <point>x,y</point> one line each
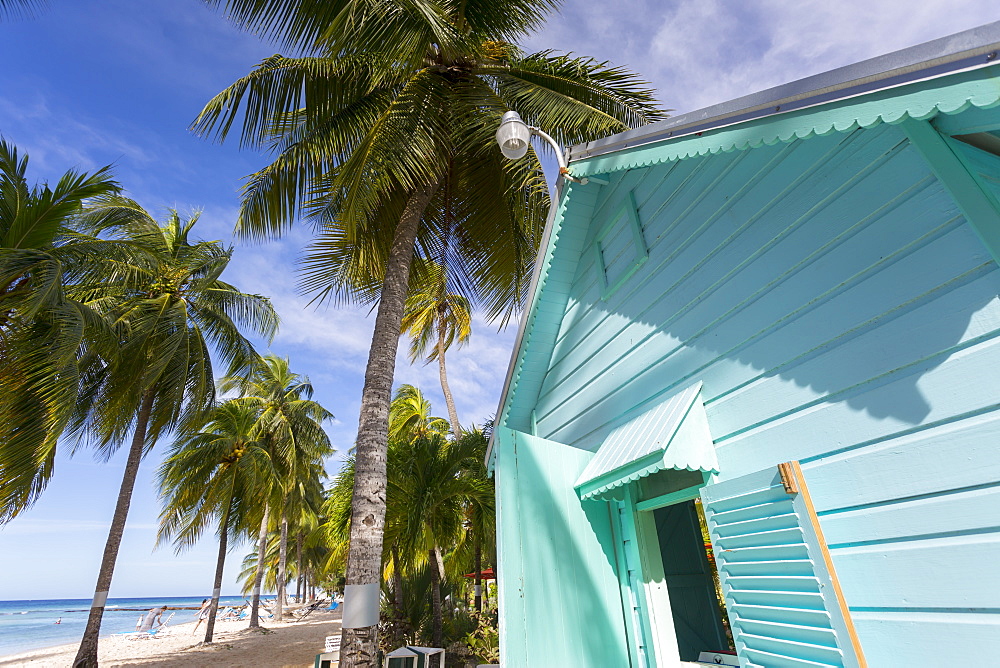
<point>817,297</point>
<point>911,637</point>
<point>817,273</point>
<point>839,310</point>
<point>911,522</point>
<point>985,166</point>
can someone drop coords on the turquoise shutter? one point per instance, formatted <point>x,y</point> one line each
<point>785,606</point>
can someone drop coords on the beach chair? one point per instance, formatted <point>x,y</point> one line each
<point>152,633</point>
<point>303,612</point>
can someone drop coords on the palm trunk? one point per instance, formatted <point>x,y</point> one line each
<point>398,632</point>
<point>259,575</point>
<point>359,646</point>
<point>456,428</point>
<point>282,565</point>
<point>219,566</point>
<point>300,588</point>
<point>86,657</point>
<point>436,600</point>
<point>479,576</point>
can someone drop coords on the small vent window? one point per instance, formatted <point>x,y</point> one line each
<point>619,248</point>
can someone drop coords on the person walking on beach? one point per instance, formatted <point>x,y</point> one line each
<point>152,617</point>
<point>202,613</point>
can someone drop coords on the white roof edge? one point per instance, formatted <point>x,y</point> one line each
<point>977,47</point>
<point>525,314</point>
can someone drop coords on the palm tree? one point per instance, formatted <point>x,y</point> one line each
<point>219,473</point>
<point>291,425</point>
<point>18,7</point>
<point>480,507</point>
<point>438,500</point>
<point>41,328</point>
<point>167,311</point>
<point>410,416</point>
<point>384,134</point>
<point>434,319</point>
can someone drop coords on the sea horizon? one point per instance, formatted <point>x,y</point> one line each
<point>30,624</point>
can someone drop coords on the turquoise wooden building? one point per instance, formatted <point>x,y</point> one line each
<point>773,326</point>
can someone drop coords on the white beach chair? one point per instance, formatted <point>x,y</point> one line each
<point>152,633</point>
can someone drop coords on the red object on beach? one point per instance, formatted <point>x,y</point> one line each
<point>488,574</point>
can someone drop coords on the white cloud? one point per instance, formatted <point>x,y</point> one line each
<point>331,345</point>
<point>58,140</point>
<point>475,373</point>
<point>700,52</point>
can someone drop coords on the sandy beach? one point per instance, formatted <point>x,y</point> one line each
<point>279,645</point>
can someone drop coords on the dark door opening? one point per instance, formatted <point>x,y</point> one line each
<point>700,619</point>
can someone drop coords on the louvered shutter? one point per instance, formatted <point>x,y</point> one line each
<point>785,606</point>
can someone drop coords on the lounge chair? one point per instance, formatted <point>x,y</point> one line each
<point>303,612</point>
<point>152,633</point>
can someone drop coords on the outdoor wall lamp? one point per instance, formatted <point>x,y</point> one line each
<point>513,136</point>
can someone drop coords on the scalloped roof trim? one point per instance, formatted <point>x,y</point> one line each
<point>920,101</point>
<point>655,467</point>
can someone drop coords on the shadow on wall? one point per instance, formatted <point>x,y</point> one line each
<point>837,263</point>
<point>573,610</point>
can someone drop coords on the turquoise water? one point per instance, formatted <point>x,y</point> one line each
<point>26,625</point>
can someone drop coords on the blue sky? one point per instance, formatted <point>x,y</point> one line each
<point>118,81</point>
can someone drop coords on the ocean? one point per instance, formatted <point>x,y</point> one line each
<point>27,625</point>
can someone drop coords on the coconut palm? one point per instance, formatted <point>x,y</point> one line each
<point>41,327</point>
<point>427,474</point>
<point>410,416</point>
<point>480,510</point>
<point>434,319</point>
<point>18,7</point>
<point>168,312</point>
<point>291,425</point>
<point>436,501</point>
<point>384,135</point>
<point>222,473</point>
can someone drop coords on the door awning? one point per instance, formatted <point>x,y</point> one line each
<point>672,435</point>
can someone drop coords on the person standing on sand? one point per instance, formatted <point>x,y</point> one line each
<point>202,613</point>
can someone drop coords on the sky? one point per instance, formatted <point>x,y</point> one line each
<point>87,83</point>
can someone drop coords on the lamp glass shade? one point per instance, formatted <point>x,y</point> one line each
<point>513,136</point>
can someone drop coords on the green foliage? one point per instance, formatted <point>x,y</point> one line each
<point>42,328</point>
<point>167,308</point>
<point>289,425</point>
<point>433,313</point>
<point>222,471</point>
<point>410,416</point>
<point>438,496</point>
<point>397,95</point>
<point>484,639</point>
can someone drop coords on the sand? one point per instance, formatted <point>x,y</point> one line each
<point>280,645</point>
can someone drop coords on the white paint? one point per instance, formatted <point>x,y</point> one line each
<point>361,606</point>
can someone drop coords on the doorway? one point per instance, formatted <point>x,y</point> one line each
<point>699,615</point>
